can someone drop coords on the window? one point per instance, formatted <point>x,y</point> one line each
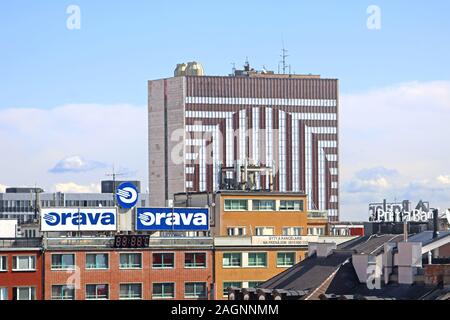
<point>232,259</point>
<point>24,293</point>
<point>3,294</point>
<point>97,261</point>
<point>264,231</point>
<point>293,205</point>
<point>257,259</point>
<point>131,291</point>
<point>24,263</point>
<point>229,284</point>
<point>63,261</point>
<point>63,292</point>
<point>131,260</point>
<point>292,231</point>
<point>195,290</point>
<point>285,259</point>
<point>163,260</point>
<point>195,260</point>
<point>235,205</point>
<point>263,205</point>
<point>316,231</point>
<point>3,263</point>
<point>254,284</point>
<point>163,290</point>
<point>97,292</point>
<point>236,231</point>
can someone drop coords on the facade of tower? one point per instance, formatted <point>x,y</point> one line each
<point>199,125</point>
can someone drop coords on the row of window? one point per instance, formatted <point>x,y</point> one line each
<point>19,293</point>
<point>262,205</point>
<point>20,263</point>
<point>127,291</point>
<point>161,260</point>
<point>256,259</point>
<point>270,231</point>
<point>101,261</point>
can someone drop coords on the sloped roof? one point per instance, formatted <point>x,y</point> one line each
<point>311,273</point>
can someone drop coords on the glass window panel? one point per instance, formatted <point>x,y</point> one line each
<point>130,291</point>
<point>3,263</point>
<point>3,294</point>
<point>257,259</point>
<point>229,284</point>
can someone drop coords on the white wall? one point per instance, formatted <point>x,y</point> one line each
<point>8,228</point>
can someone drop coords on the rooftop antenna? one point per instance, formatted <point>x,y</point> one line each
<point>246,64</point>
<point>283,56</point>
<point>113,174</point>
<point>234,68</point>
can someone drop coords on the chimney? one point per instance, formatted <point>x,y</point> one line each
<point>405,231</point>
<point>435,223</point>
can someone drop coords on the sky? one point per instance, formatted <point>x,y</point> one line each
<point>73,101</point>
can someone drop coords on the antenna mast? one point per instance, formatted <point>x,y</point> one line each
<point>283,56</point>
<point>114,175</point>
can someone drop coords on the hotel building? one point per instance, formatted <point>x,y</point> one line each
<point>204,130</point>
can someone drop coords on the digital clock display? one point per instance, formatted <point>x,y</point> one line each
<point>131,241</point>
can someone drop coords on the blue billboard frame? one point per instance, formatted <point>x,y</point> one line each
<point>185,219</point>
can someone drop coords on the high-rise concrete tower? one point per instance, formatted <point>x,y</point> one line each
<point>204,131</point>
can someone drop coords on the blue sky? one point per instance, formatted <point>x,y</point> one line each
<point>121,44</point>
<point>60,87</point>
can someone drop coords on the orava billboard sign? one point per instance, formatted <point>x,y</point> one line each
<point>79,219</point>
<point>172,219</point>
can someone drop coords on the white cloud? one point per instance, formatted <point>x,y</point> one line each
<point>36,139</point>
<point>371,185</point>
<point>403,128</point>
<point>444,179</point>
<point>72,187</point>
<point>76,164</point>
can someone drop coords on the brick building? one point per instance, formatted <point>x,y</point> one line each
<point>168,270</point>
<point>21,273</point>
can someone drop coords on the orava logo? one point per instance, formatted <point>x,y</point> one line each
<point>178,219</point>
<point>127,195</point>
<point>79,218</point>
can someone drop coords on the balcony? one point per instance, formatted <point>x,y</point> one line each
<point>316,214</point>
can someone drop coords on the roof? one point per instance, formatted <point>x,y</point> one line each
<point>370,244</point>
<point>312,272</point>
<point>334,277</point>
<point>307,274</point>
<point>426,237</point>
<point>346,283</point>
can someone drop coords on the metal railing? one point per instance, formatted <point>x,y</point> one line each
<point>317,215</point>
<point>20,242</point>
<point>108,242</point>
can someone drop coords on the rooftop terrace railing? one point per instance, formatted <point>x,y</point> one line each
<point>317,215</point>
<point>108,242</point>
<point>20,243</point>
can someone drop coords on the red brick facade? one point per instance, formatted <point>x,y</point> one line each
<point>11,279</point>
<point>114,276</point>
